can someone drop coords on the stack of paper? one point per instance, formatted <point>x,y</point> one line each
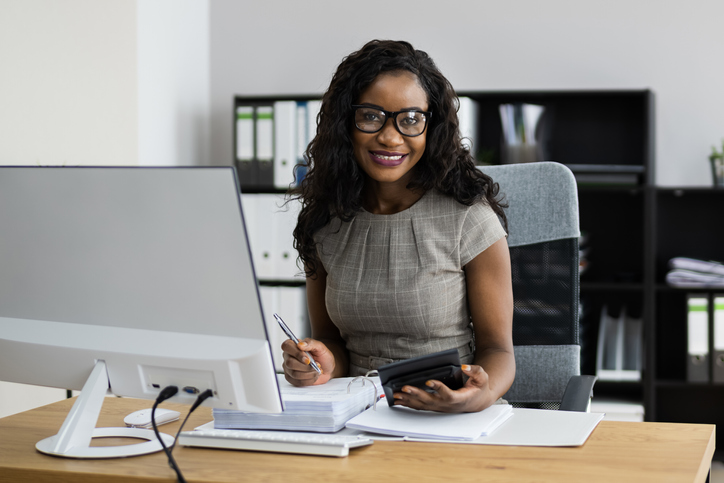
<point>402,421</point>
<point>689,272</point>
<point>324,408</point>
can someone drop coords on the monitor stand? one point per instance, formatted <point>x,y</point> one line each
<point>73,439</point>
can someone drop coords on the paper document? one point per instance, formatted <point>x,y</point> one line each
<point>402,421</point>
<point>523,427</point>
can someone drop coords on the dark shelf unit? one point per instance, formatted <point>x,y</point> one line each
<point>604,132</point>
<point>685,222</point>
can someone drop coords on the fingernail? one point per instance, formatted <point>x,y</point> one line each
<point>430,384</point>
<point>321,371</point>
<point>465,367</point>
<point>406,389</point>
<point>307,361</point>
<point>302,344</point>
<point>396,396</point>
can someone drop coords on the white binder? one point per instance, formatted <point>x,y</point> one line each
<point>265,146</point>
<point>266,235</point>
<point>285,143</point>
<point>251,221</point>
<point>302,141</point>
<point>468,119</point>
<point>245,145</point>
<point>285,255</point>
<point>293,309</point>
<point>718,359</point>
<point>618,356</point>
<point>313,108</point>
<point>697,330</point>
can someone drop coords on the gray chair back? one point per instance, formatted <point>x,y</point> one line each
<point>543,237</point>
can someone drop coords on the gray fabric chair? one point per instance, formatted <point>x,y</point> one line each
<point>543,237</point>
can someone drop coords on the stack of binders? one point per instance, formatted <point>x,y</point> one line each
<point>324,408</point>
<point>701,309</point>
<point>270,140</point>
<point>270,221</point>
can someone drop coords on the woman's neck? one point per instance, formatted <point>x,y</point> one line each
<point>388,200</point>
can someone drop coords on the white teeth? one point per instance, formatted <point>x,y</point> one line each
<point>389,158</point>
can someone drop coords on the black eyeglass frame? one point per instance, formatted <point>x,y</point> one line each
<point>392,115</point>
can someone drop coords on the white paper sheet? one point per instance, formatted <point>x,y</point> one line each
<point>526,427</point>
<point>411,423</point>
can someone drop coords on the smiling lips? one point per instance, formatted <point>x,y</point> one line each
<point>386,158</point>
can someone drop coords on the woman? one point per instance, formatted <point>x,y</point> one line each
<point>400,235</point>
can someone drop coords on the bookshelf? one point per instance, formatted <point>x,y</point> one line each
<point>607,139</point>
<point>685,222</point>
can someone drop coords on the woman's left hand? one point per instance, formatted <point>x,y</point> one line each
<point>474,396</point>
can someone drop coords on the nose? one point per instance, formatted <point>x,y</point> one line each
<point>388,135</point>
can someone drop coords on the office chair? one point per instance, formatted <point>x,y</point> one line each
<point>543,237</point>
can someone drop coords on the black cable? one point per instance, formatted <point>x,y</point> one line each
<point>202,397</point>
<point>167,392</point>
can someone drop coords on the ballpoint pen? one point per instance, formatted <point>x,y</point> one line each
<point>291,335</point>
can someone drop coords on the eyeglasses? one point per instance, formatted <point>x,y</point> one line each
<point>408,123</point>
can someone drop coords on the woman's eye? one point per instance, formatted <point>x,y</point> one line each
<point>371,116</point>
<point>409,121</point>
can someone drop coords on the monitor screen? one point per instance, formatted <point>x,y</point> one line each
<point>146,269</point>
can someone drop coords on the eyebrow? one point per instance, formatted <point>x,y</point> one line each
<point>414,108</point>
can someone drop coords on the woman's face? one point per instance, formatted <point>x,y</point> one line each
<point>387,156</point>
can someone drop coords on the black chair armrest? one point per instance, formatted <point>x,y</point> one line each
<point>578,393</point>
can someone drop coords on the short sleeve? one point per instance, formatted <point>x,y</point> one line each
<point>481,228</point>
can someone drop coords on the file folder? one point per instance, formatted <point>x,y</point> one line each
<point>264,158</point>
<point>285,255</point>
<point>265,236</point>
<point>245,146</point>
<point>250,209</point>
<point>718,366</point>
<point>313,108</point>
<point>697,365</point>
<point>285,143</point>
<point>468,121</point>
<point>303,140</point>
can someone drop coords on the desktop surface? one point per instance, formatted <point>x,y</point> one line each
<point>615,451</point>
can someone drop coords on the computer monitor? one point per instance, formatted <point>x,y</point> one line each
<point>129,279</point>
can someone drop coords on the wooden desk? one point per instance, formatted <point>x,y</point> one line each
<point>616,451</point>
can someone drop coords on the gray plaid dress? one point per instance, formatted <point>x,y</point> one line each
<point>395,283</point>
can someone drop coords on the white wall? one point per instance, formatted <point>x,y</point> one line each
<point>112,82</point>
<point>68,82</point>
<point>670,46</point>
<point>173,82</point>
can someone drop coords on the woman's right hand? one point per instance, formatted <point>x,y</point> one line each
<point>297,368</point>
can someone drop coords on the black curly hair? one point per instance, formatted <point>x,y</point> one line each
<point>333,184</point>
